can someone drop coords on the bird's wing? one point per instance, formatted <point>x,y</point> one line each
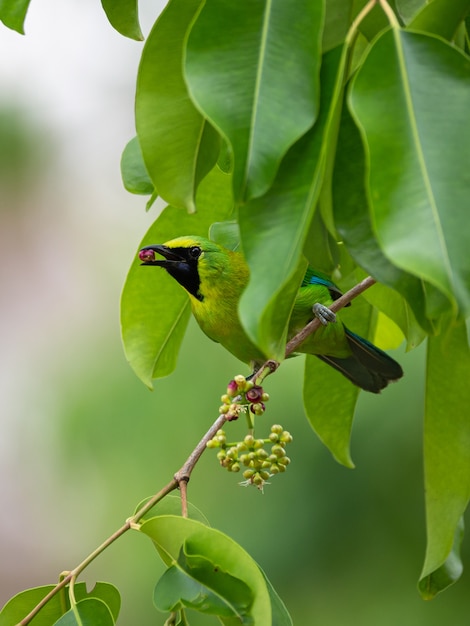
<point>313,277</point>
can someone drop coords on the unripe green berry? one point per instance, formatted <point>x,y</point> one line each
<point>221,455</point>
<point>249,440</point>
<point>274,437</point>
<point>278,450</point>
<point>225,398</point>
<point>212,444</point>
<point>274,469</point>
<point>257,479</point>
<point>221,439</point>
<point>265,397</point>
<point>248,473</point>
<point>281,468</point>
<point>249,384</point>
<point>241,446</point>
<point>235,467</point>
<point>262,454</point>
<point>258,408</point>
<point>284,461</point>
<point>240,380</point>
<point>265,465</point>
<point>224,409</point>
<point>264,475</point>
<point>272,458</point>
<point>277,428</point>
<point>244,459</point>
<point>286,437</point>
<point>232,453</point>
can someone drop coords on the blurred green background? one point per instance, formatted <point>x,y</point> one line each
<point>82,441</point>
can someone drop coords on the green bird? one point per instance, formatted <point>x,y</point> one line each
<point>215,278</point>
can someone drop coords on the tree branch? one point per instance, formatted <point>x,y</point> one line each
<point>183,475</point>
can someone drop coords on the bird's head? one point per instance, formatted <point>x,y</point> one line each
<point>190,260</point>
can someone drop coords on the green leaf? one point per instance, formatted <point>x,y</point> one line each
<point>281,615</point>
<point>154,308</point>
<point>337,21</point>
<point>179,147</point>
<point>92,612</point>
<point>246,70</point>
<point>13,14</point>
<point>329,398</point>
<point>171,505</point>
<point>133,171</point>
<point>123,16</point>
<point>410,100</point>
<point>407,9</point>
<point>441,17</point>
<point>176,589</point>
<point>353,221</point>
<point>20,605</point>
<point>204,546</point>
<point>446,454</point>
<point>447,573</point>
<point>274,227</point>
<point>226,234</point>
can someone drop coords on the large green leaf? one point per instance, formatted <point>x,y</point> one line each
<point>154,308</point>
<point>203,553</point>
<point>178,145</point>
<point>124,17</point>
<point>13,13</point>
<point>410,100</point>
<point>353,221</point>
<point>253,70</point>
<point>274,227</point>
<point>441,17</point>
<point>446,455</point>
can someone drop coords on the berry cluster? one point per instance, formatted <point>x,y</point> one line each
<point>243,393</point>
<point>251,454</point>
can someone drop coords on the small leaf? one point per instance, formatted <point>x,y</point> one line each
<point>446,454</point>
<point>154,308</point>
<point>171,533</point>
<point>176,589</point>
<point>133,171</point>
<point>413,118</point>
<point>13,14</point>
<point>123,16</point>
<point>245,69</point>
<point>179,147</point>
<point>20,605</point>
<point>92,612</point>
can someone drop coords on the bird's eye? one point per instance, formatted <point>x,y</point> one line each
<point>195,252</point>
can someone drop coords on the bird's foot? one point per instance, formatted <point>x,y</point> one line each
<point>323,313</point>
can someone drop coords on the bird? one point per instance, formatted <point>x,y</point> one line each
<point>215,278</point>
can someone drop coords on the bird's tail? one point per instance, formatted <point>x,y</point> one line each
<point>368,367</point>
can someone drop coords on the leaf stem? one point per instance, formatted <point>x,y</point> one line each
<point>352,32</point>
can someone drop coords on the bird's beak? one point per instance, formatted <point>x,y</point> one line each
<point>147,256</point>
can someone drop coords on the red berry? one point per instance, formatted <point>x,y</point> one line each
<point>147,255</point>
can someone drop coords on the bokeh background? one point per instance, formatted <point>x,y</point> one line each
<point>82,441</point>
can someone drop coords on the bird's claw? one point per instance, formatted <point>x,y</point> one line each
<point>323,313</point>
